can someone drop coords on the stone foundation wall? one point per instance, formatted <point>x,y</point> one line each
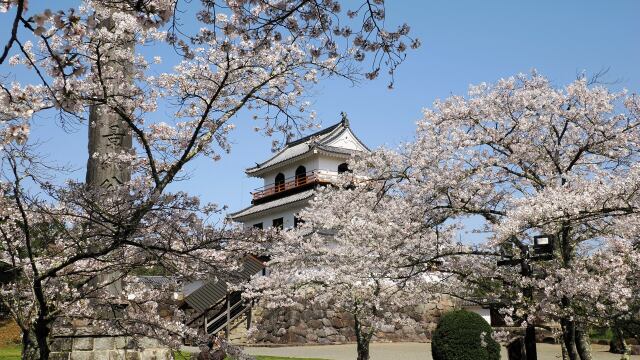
<point>108,348</point>
<point>326,326</point>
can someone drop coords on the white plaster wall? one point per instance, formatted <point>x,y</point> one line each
<point>317,162</point>
<point>267,219</point>
<point>485,313</point>
<point>310,163</point>
<point>329,163</point>
<point>347,140</point>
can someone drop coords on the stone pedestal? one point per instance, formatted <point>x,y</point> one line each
<point>108,348</point>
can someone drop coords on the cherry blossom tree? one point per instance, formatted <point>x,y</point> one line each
<point>360,250</point>
<point>76,249</point>
<point>531,159</point>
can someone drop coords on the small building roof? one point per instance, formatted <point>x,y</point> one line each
<point>301,196</point>
<point>323,140</point>
<point>212,292</point>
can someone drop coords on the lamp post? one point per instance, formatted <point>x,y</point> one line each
<point>542,250</point>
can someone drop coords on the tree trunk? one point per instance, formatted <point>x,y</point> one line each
<point>583,345</point>
<point>29,348</point>
<point>569,338</point>
<point>35,342</point>
<point>618,344</point>
<point>362,339</point>
<point>565,356</point>
<point>515,349</point>
<point>363,349</point>
<point>530,342</point>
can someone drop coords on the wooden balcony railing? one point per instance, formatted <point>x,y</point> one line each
<point>310,177</point>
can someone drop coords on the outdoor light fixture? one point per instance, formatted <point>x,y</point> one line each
<point>543,244</point>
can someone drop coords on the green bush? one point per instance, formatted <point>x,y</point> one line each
<point>463,335</point>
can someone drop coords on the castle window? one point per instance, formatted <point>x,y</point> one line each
<point>257,226</point>
<point>278,223</point>
<point>279,183</point>
<point>301,175</point>
<point>343,168</point>
<point>297,221</point>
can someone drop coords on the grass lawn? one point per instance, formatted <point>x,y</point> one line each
<point>10,352</point>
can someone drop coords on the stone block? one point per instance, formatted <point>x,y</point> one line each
<point>312,337</point>
<point>103,343</point>
<point>346,316</point>
<point>81,355</point>
<point>635,349</point>
<point>259,335</point>
<point>148,343</point>
<point>61,344</point>
<point>164,354</point>
<point>120,342</point>
<point>387,328</point>
<point>298,330</point>
<point>59,355</point>
<point>101,354</point>
<point>294,316</point>
<point>83,343</point>
<point>328,331</point>
<point>315,324</point>
<point>408,330</point>
<point>337,323</point>
<point>326,322</point>
<point>155,354</point>
<point>132,355</point>
<point>117,355</point>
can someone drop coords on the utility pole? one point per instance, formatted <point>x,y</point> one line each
<point>543,250</point>
<point>530,330</point>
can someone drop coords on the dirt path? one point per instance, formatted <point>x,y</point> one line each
<point>403,351</point>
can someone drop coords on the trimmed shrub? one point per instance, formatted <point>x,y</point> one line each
<point>463,335</point>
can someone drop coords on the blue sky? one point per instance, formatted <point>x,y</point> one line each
<point>464,42</point>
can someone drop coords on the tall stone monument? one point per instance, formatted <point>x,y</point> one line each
<point>108,134</point>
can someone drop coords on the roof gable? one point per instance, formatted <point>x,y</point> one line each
<point>338,137</point>
<point>346,140</point>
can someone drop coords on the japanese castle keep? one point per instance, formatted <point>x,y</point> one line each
<point>292,174</point>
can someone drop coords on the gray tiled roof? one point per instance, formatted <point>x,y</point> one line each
<point>304,146</point>
<point>154,280</point>
<point>283,155</point>
<point>213,291</point>
<point>273,204</point>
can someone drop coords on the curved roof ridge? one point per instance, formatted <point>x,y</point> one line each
<point>315,134</point>
<point>291,145</point>
<point>302,147</point>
